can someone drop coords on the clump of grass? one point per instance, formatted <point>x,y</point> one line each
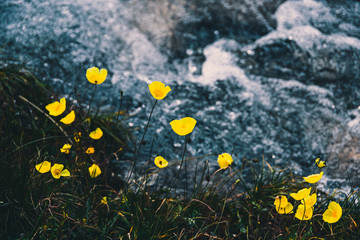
<point>28,136</point>
<point>224,205</point>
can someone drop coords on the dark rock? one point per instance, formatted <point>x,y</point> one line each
<point>176,26</point>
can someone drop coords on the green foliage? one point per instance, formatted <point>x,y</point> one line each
<point>236,204</point>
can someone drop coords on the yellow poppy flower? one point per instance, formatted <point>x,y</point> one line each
<point>104,200</point>
<point>280,201</point>
<point>97,134</point>
<point>313,178</point>
<point>310,200</point>
<point>95,76</point>
<point>43,167</point>
<point>304,212</point>
<point>158,90</point>
<point>224,160</point>
<point>301,194</point>
<point>160,162</point>
<point>333,213</point>
<point>94,171</point>
<point>282,205</point>
<point>57,171</point>
<point>183,126</point>
<point>56,108</point>
<point>68,119</point>
<point>286,210</point>
<point>90,150</point>
<point>66,148</point>
<point>319,163</point>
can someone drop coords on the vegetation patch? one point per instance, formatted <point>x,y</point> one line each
<point>57,181</point>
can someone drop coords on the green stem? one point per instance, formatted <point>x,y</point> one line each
<point>185,165</point>
<point>182,161</point>
<point>118,112</point>
<point>91,99</point>
<point>133,168</point>
<point>331,229</point>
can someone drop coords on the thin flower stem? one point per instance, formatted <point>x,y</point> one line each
<point>331,230</point>
<point>91,99</point>
<point>185,165</point>
<point>196,166</point>
<point>182,160</point>
<point>118,112</point>
<point>133,168</point>
<point>47,115</point>
<point>148,163</point>
<point>222,212</point>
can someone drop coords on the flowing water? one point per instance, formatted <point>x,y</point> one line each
<point>273,79</point>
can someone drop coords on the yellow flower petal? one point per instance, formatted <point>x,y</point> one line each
<point>56,170</point>
<point>183,126</point>
<point>95,76</point>
<point>280,202</point>
<point>56,108</point>
<point>301,194</point>
<point>310,200</point>
<point>304,212</point>
<point>158,90</point>
<point>65,148</point>
<point>97,134</point>
<point>65,173</point>
<point>160,162</point>
<point>333,213</point>
<point>313,178</point>
<point>90,150</point>
<point>68,119</point>
<point>286,210</point>
<point>319,163</point>
<point>104,200</point>
<point>43,167</point>
<point>94,171</point>
<point>224,160</point>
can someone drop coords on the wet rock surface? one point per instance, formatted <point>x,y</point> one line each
<point>278,79</point>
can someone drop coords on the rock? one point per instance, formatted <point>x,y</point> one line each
<point>175,26</point>
<point>306,46</point>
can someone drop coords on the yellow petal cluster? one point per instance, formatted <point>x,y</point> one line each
<point>160,162</point>
<point>68,119</point>
<point>313,178</point>
<point>304,212</point>
<point>95,76</point>
<point>77,136</point>
<point>319,163</point>
<point>94,171</point>
<point>57,171</point>
<point>224,160</point>
<point>56,108</point>
<point>158,90</point>
<point>90,150</point>
<point>66,148</point>
<point>183,126</point>
<point>43,167</point>
<point>97,134</point>
<point>301,194</point>
<point>282,205</point>
<point>310,200</point>
<point>104,200</point>
<point>333,213</point>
